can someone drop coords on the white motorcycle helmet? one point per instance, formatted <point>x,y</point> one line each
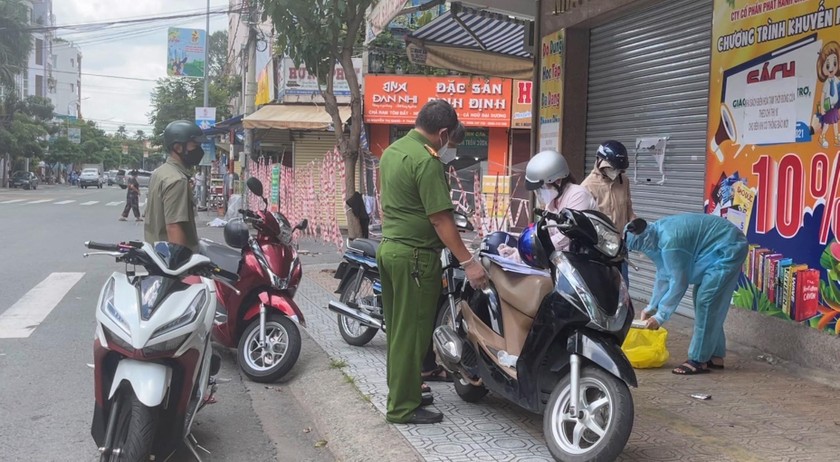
<point>545,168</point>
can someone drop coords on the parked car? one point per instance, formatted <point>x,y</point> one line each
<point>143,177</point>
<point>91,177</point>
<point>25,180</point>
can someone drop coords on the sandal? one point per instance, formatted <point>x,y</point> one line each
<point>712,365</point>
<point>436,375</point>
<point>690,368</point>
<point>425,388</point>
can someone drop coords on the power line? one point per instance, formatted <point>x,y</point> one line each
<point>92,74</point>
<point>138,20</point>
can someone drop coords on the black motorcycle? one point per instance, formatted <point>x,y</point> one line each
<point>359,307</point>
<point>552,343</point>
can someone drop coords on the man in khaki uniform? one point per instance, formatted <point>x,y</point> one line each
<point>170,215</point>
<point>417,223</point>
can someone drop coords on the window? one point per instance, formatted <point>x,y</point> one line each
<point>72,63</point>
<point>39,52</point>
<point>39,85</point>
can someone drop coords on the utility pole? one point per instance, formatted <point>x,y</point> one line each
<point>250,94</point>
<point>206,180</point>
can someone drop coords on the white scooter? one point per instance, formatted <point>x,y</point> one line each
<point>153,362</point>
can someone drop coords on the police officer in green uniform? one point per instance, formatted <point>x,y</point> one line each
<point>170,215</point>
<point>417,223</point>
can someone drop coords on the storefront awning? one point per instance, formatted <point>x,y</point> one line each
<point>293,117</point>
<point>224,126</point>
<point>474,41</point>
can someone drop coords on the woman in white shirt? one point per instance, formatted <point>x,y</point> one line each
<point>549,176</point>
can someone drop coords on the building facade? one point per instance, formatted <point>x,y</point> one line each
<point>66,89</point>
<point>729,108</point>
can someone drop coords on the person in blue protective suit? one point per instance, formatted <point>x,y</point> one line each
<point>703,250</point>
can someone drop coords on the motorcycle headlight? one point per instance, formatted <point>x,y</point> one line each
<point>609,240</point>
<point>571,286</point>
<point>108,307</point>
<point>190,314</point>
<point>165,347</point>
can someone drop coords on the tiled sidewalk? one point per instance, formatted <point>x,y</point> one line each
<point>758,412</point>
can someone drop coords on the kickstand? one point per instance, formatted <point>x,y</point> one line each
<point>192,445</point>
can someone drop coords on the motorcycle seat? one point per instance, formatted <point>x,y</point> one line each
<point>366,247</point>
<point>222,255</point>
<point>523,293</point>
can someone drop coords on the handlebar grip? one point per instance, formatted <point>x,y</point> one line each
<point>106,247</point>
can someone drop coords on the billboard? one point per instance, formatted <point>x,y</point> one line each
<point>772,155</point>
<point>551,90</point>
<point>205,117</point>
<point>296,85</point>
<point>397,99</point>
<point>522,105</point>
<point>185,55</point>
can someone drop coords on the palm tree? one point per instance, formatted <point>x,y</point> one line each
<point>16,43</point>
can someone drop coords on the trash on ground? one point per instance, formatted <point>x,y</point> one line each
<point>769,359</point>
<point>701,396</point>
<point>307,429</point>
<point>320,443</point>
<point>217,223</point>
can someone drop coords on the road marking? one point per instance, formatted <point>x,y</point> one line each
<point>29,312</point>
<point>111,204</point>
<point>12,201</point>
<point>89,203</point>
<point>40,201</point>
<point>64,202</point>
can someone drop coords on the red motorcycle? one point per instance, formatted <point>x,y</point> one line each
<point>261,320</point>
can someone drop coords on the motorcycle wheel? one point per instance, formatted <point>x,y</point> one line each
<point>135,429</point>
<point>469,392</point>
<point>269,364</point>
<point>352,331</point>
<point>603,432</point>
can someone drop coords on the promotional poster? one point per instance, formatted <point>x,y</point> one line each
<point>185,52</point>
<point>773,143</point>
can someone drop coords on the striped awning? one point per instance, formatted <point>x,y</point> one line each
<point>461,38</point>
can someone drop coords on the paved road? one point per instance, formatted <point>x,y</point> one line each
<point>46,386</point>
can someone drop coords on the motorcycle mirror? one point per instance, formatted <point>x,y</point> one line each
<point>303,225</point>
<point>255,186</point>
<point>637,226</point>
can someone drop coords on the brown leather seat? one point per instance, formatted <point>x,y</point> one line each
<point>525,293</point>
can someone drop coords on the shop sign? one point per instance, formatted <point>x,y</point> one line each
<point>551,90</point>
<point>265,85</point>
<point>772,158</point>
<point>520,115</point>
<point>297,85</point>
<point>397,99</point>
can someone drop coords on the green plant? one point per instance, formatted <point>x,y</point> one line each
<point>336,363</point>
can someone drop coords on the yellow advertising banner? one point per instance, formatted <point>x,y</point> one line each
<point>551,90</point>
<point>772,160</point>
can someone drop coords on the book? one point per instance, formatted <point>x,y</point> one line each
<point>762,263</point>
<point>748,260</point>
<point>807,295</point>
<point>778,294</point>
<point>743,199</point>
<point>756,264</point>
<point>789,291</point>
<point>771,263</point>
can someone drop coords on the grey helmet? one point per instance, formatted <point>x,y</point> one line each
<point>545,168</point>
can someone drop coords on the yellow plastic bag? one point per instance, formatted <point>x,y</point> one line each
<point>646,348</point>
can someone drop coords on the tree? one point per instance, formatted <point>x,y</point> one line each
<point>319,33</point>
<point>24,131</point>
<point>16,43</point>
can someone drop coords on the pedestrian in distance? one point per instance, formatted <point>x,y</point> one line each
<point>417,223</point>
<point>170,215</point>
<point>132,197</point>
<point>704,250</point>
<point>610,187</point>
